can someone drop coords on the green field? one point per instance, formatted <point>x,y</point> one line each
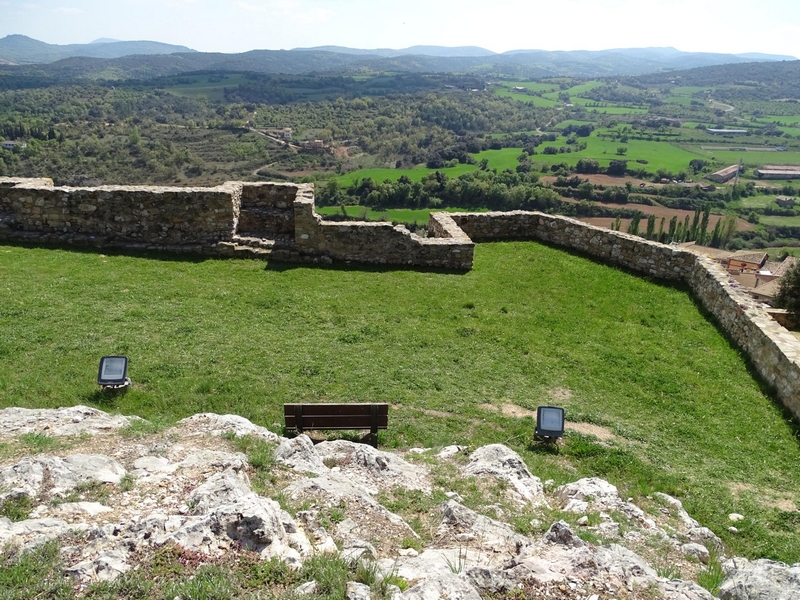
<point>532,86</point>
<point>400,215</point>
<point>416,174</point>
<point>754,202</point>
<point>528,323</point>
<point>751,159</point>
<point>205,87</point>
<point>498,159</point>
<point>575,90</point>
<point>683,100</point>
<point>780,221</point>
<point>688,90</point>
<point>522,97</point>
<point>658,154</point>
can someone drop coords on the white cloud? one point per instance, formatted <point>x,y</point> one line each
<point>67,10</point>
<point>30,6</point>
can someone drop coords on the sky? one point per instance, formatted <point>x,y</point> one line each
<point>729,26</point>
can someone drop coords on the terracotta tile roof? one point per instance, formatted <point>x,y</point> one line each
<point>751,257</point>
<point>785,266</point>
<point>768,290</point>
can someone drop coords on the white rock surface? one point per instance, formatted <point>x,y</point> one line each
<point>60,421</point>
<point>503,463</point>
<point>220,424</point>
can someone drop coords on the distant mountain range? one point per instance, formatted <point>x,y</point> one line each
<point>107,59</point>
<point>657,55</point>
<point>22,50</point>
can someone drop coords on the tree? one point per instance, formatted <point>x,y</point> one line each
<point>789,295</point>
<point>697,165</point>
<point>622,150</point>
<point>617,167</point>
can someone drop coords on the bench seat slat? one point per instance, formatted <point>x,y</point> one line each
<point>336,409</point>
<point>372,416</point>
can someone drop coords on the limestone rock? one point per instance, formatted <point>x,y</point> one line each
<point>73,420</point>
<point>448,586</point>
<point>214,459</point>
<point>356,591</point>
<point>575,496</point>
<point>220,424</point>
<point>759,580</point>
<point>106,567</point>
<point>683,590</point>
<point>79,509</point>
<point>362,460</point>
<point>499,461</point>
<point>625,564</point>
<point>27,477</point>
<point>299,454</point>
<point>219,489</point>
<point>308,588</point>
<point>450,451</point>
<point>466,528</point>
<point>698,551</point>
<point>35,531</point>
<point>561,533</point>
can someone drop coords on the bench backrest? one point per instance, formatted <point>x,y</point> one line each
<point>336,416</point>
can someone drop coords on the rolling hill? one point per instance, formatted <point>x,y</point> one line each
<point>20,49</point>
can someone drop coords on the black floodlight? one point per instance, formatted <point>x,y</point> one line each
<point>113,372</point>
<point>549,422</point>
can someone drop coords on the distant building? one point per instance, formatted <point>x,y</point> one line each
<point>518,88</point>
<point>286,133</point>
<point>747,261</point>
<point>14,145</point>
<point>785,202</point>
<point>773,174</point>
<point>725,174</point>
<point>727,131</point>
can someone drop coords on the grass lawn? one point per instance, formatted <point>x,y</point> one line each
<point>527,325</point>
<point>658,154</point>
<point>203,88</point>
<point>688,90</point>
<point>780,221</point>
<point>751,159</point>
<point>415,174</point>
<point>523,97</point>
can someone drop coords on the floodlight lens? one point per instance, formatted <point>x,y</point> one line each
<point>113,368</point>
<point>552,419</point>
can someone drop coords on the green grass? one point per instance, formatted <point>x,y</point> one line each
<point>523,97</point>
<point>683,100</point>
<point>402,215</point>
<point>415,174</point>
<point>751,159</point>
<point>754,202</point>
<point>203,88</point>
<point>688,90</point>
<point>231,336</point>
<point>780,221</point>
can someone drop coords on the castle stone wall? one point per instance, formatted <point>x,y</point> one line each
<point>267,207</point>
<point>773,350</point>
<point>376,243</point>
<point>209,220</point>
<point>121,215</point>
<point>630,251</point>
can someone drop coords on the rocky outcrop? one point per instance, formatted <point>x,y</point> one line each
<point>188,488</point>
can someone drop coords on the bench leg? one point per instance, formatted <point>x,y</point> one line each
<point>374,426</point>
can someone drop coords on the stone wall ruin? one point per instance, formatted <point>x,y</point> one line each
<point>278,221</point>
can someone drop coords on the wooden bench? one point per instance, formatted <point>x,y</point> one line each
<point>338,416</point>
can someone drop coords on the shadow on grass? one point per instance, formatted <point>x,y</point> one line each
<point>105,398</point>
<point>792,420</point>
<point>280,267</point>
<point>163,256</point>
